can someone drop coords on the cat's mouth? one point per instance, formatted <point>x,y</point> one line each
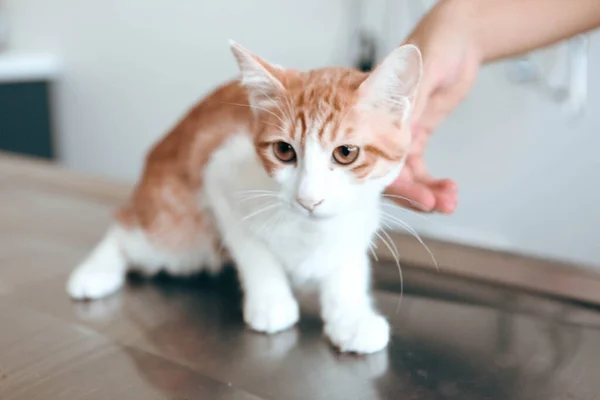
<point>311,215</point>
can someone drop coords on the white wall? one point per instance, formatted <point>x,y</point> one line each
<point>133,67</point>
<point>530,181</point>
<point>529,174</point>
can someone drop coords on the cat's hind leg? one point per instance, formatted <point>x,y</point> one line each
<point>162,229</point>
<point>132,248</point>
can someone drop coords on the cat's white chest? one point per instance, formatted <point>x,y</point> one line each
<point>305,253</point>
<point>306,249</point>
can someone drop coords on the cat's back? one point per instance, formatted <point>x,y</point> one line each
<point>175,165</point>
<point>204,128</point>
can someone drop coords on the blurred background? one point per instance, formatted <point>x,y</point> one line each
<point>93,84</point>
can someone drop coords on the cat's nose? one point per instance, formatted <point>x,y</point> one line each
<point>308,204</point>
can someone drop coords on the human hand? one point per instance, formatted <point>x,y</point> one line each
<point>450,64</point>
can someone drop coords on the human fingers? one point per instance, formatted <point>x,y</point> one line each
<point>411,194</point>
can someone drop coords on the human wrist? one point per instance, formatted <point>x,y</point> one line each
<point>464,18</point>
<point>500,29</point>
<point>484,24</point>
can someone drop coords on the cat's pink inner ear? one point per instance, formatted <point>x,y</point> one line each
<point>392,86</point>
<point>262,80</point>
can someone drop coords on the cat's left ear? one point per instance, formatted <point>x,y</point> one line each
<point>392,86</point>
<point>262,80</point>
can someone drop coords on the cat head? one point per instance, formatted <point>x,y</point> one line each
<point>331,138</point>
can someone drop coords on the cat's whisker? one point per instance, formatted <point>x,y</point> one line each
<point>270,222</point>
<point>373,246</point>
<point>260,211</point>
<point>279,127</point>
<point>372,249</point>
<point>272,101</point>
<point>397,259</point>
<point>254,197</point>
<point>412,202</point>
<point>257,108</point>
<point>412,212</point>
<point>388,237</point>
<point>244,192</point>
<point>290,108</point>
<point>414,233</point>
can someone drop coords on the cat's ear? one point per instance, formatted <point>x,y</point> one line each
<point>261,79</point>
<point>392,86</point>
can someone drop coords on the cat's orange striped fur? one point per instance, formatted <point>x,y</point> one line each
<point>324,143</point>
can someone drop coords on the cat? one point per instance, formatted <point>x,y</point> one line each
<point>282,172</point>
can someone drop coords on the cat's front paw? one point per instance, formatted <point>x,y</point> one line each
<point>90,282</point>
<point>366,334</point>
<point>271,314</point>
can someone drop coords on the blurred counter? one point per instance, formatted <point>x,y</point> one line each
<point>27,103</point>
<point>452,338</point>
<point>27,67</point>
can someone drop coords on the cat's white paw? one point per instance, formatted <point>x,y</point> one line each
<point>271,314</point>
<point>366,334</point>
<point>91,282</point>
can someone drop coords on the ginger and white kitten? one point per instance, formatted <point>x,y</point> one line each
<point>283,171</point>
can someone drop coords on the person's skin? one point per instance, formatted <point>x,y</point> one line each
<point>456,37</point>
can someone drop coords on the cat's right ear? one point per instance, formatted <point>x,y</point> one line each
<point>261,79</point>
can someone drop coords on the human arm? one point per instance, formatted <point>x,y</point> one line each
<point>507,28</point>
<point>456,37</point>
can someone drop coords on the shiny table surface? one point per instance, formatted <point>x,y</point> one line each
<point>175,339</point>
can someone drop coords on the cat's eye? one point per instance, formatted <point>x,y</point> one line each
<point>345,155</point>
<point>284,152</point>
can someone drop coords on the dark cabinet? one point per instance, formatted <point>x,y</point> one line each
<point>25,119</point>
